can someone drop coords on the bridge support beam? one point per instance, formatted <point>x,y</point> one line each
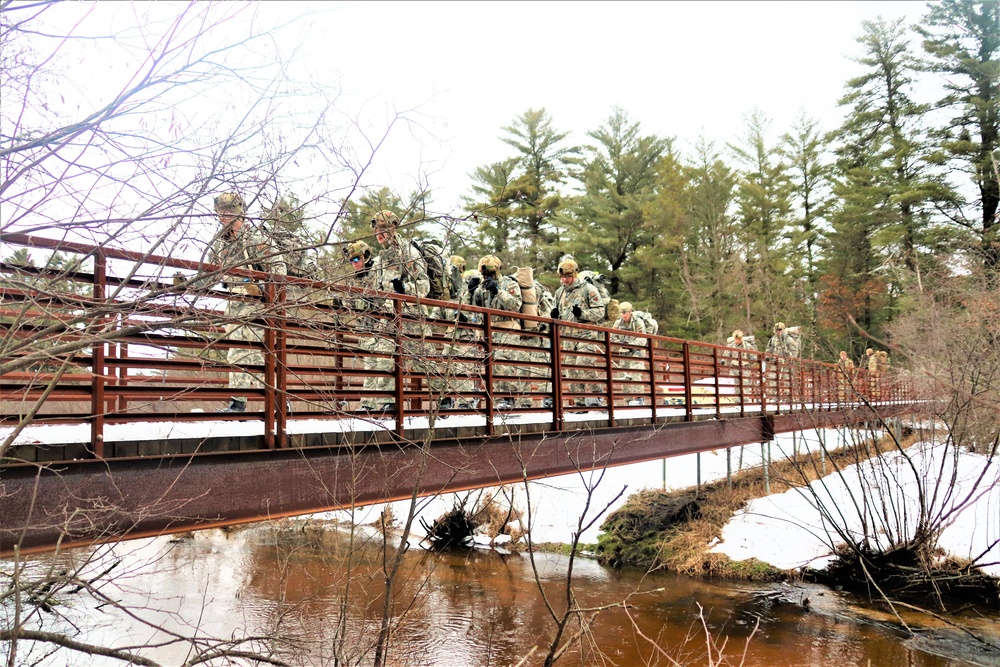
<point>86,502</point>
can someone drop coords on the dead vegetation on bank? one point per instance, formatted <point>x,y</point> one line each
<point>674,531</point>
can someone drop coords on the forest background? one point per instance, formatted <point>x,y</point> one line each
<point>835,229</point>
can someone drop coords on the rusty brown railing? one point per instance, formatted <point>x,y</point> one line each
<point>115,345</point>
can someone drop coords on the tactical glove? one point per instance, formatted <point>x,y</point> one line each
<point>577,312</point>
<point>491,286</point>
<point>473,284</point>
<point>554,314</point>
<point>397,284</point>
<point>462,318</point>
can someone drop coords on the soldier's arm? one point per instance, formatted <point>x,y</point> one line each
<point>510,297</point>
<point>593,309</point>
<point>418,284</point>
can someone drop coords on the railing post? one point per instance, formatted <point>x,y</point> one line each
<point>688,394</point>
<point>281,364</point>
<point>397,365</point>
<point>718,395</point>
<point>650,346</point>
<point>488,371</point>
<point>97,362</point>
<point>610,384</point>
<point>555,340</point>
<point>269,365</point>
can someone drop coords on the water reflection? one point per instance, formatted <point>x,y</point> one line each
<point>318,596</point>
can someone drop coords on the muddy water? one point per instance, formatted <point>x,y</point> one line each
<point>322,592</point>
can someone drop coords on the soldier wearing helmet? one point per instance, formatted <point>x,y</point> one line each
<point>241,244</point>
<point>785,341</point>
<point>497,291</point>
<point>576,299</point>
<point>285,223</point>
<point>400,266</point>
<point>627,322</point>
<point>579,301</point>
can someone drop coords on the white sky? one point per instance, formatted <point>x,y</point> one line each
<point>679,68</point>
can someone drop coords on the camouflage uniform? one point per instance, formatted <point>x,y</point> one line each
<point>878,367</point>
<point>785,343</point>
<point>634,325</point>
<point>247,248</point>
<point>507,297</point>
<point>584,296</point>
<point>845,376</point>
<point>377,334</point>
<point>399,265</point>
<point>742,365</point>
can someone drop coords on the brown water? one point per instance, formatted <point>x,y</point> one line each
<point>482,607</point>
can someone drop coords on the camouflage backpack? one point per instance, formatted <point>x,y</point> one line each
<point>611,306</point>
<point>438,268</point>
<point>652,326</point>
<point>285,222</point>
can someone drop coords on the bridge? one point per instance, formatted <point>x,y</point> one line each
<point>112,370</point>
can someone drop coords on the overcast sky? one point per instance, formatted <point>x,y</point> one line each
<point>679,68</point>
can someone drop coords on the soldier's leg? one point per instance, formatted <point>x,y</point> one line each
<point>240,329</point>
<point>383,346</point>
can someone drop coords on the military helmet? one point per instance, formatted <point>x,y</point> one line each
<point>738,333</point>
<point>385,220</point>
<point>568,267</point>
<point>459,261</point>
<point>780,326</point>
<point>230,203</point>
<point>491,263</point>
<point>625,307</point>
<point>470,274</point>
<point>357,249</point>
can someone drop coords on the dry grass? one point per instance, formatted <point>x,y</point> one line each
<point>672,530</point>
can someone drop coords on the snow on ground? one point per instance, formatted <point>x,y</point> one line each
<point>788,530</point>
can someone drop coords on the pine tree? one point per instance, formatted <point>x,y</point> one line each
<point>606,224</point>
<point>764,206</point>
<point>803,149</point>
<point>962,38</point>
<point>516,201</point>
<point>712,272</point>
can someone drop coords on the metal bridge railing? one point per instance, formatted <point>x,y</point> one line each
<point>115,345</point>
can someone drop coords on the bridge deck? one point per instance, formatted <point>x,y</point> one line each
<point>110,378</point>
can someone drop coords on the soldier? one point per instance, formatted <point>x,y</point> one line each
<point>240,244</point>
<point>501,292</point>
<point>400,268</point>
<point>785,343</point>
<point>845,375</point>
<point>578,301</point>
<point>377,335</point>
<point>286,228</point>
<point>878,367</point>
<point>627,321</point>
<point>742,364</point>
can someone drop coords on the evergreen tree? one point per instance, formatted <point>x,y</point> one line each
<point>516,200</point>
<point>606,224</point>
<point>652,278</point>
<point>712,273</point>
<point>962,38</point>
<point>803,148</point>
<point>764,205</point>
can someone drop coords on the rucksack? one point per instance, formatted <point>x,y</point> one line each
<point>611,309</point>
<point>437,267</point>
<point>456,282</point>
<point>300,259</point>
<point>652,326</point>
